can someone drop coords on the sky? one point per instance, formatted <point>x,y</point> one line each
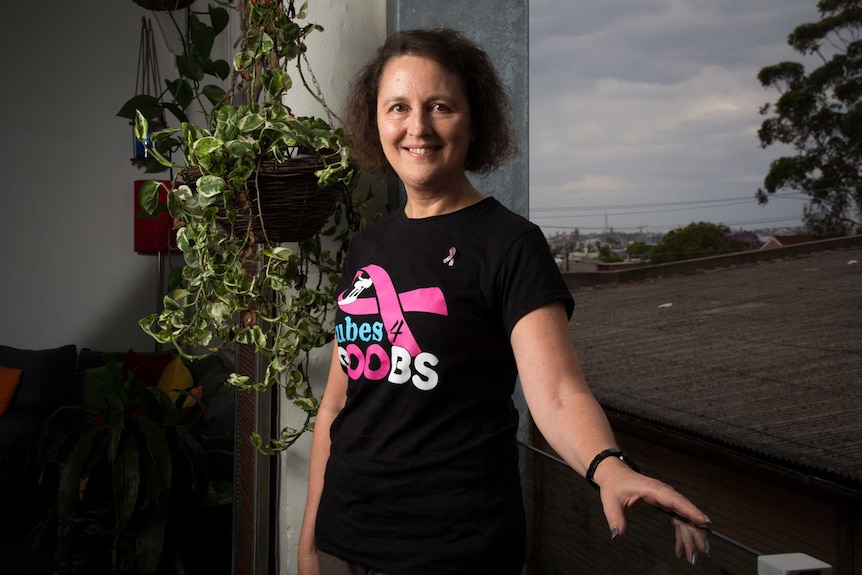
<point>644,113</point>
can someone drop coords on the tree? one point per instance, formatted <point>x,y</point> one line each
<point>639,250</point>
<point>696,240</point>
<point>819,113</point>
<point>609,256</point>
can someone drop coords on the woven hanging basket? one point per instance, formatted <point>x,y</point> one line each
<point>163,5</point>
<point>286,203</point>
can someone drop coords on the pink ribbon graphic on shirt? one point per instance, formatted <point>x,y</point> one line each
<point>391,305</point>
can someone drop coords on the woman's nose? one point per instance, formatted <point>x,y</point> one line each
<point>418,124</point>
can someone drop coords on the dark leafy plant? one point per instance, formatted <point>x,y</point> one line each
<point>199,86</point>
<point>132,448</point>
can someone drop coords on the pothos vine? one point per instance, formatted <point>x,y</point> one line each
<point>238,288</point>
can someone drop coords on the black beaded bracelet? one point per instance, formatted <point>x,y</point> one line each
<point>612,452</point>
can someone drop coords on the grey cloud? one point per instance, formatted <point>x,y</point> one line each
<point>652,98</point>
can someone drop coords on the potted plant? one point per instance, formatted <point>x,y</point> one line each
<point>239,284</point>
<point>132,469</point>
<point>163,4</point>
<point>199,86</point>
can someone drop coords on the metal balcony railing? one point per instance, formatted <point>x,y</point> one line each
<point>568,533</point>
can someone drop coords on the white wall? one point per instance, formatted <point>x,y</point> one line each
<point>70,274</point>
<point>352,32</point>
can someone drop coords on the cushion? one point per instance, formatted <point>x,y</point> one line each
<point>202,366</point>
<point>88,358</point>
<point>9,378</point>
<point>147,366</point>
<point>195,395</point>
<point>46,376</point>
<point>220,401</point>
<point>176,376</point>
<point>18,431</point>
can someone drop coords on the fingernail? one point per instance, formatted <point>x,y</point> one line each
<point>694,558</point>
<point>707,519</point>
<point>614,533</point>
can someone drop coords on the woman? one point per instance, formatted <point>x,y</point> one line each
<point>414,460</point>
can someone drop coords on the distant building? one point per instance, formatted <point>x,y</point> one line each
<point>783,241</point>
<point>750,238</point>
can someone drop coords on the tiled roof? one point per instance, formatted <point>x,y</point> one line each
<point>765,359</point>
<point>790,240</point>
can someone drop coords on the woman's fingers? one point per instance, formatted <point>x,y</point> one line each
<point>624,488</point>
<point>690,540</point>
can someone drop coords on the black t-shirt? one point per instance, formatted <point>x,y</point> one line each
<point>423,473</point>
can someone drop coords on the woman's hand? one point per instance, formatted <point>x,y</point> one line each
<point>622,488</point>
<point>689,539</point>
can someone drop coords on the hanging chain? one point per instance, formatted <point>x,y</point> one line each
<point>329,113</point>
<point>148,80</point>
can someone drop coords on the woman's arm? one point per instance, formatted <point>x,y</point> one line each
<point>333,401</point>
<point>574,424</point>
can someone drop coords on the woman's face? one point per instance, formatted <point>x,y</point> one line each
<point>423,117</point>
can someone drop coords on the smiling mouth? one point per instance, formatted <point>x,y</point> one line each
<point>422,151</point>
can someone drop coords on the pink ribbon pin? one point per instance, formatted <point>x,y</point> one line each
<point>451,258</point>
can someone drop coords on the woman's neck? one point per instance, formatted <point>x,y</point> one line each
<point>425,205</point>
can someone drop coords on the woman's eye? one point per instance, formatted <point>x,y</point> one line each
<point>398,108</point>
<point>440,108</point>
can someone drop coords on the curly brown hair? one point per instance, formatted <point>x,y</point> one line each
<point>490,108</point>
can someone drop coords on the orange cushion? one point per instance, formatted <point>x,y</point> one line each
<point>195,394</point>
<point>9,378</point>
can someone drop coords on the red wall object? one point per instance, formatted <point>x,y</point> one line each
<point>153,235</point>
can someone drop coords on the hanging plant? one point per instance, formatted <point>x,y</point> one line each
<point>239,284</point>
<point>197,87</point>
<point>164,5</point>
